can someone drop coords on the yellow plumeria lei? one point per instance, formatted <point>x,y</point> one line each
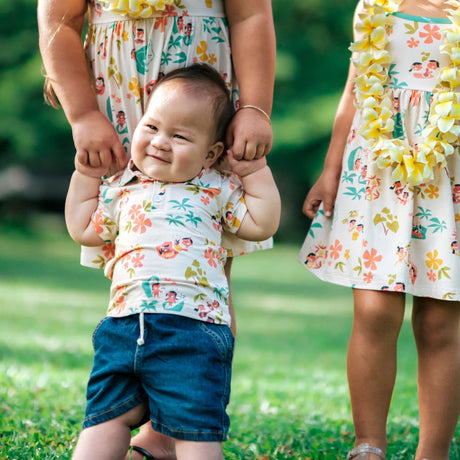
<point>412,165</point>
<point>136,8</point>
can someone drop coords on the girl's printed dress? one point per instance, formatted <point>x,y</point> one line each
<point>384,235</point>
<point>127,56</point>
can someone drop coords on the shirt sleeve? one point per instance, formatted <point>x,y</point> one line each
<point>105,217</point>
<point>234,207</point>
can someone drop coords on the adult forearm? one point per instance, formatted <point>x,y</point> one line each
<point>254,54</point>
<point>64,57</point>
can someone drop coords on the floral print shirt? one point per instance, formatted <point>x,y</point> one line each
<point>164,243</point>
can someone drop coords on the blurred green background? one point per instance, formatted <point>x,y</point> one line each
<point>36,147</point>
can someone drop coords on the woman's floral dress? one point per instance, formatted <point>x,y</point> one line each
<point>384,235</point>
<point>127,56</point>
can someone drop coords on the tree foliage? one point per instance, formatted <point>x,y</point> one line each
<point>312,41</point>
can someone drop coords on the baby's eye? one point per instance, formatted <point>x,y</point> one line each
<point>179,136</point>
<point>151,127</point>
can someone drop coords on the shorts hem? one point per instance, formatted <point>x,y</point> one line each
<point>192,435</point>
<point>110,414</point>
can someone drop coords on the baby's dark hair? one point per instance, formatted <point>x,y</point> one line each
<point>206,79</point>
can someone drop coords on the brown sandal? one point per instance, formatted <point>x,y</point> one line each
<point>145,453</point>
<point>365,449</point>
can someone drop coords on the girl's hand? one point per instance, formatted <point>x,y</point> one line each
<point>249,135</point>
<point>243,168</point>
<point>97,145</point>
<point>323,191</point>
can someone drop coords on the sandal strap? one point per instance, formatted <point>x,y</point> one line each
<point>145,453</point>
<point>365,449</point>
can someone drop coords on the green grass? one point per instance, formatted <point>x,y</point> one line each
<point>289,392</point>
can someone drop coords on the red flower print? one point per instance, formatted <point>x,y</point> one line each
<point>109,250</point>
<point>169,11</point>
<point>98,222</point>
<point>205,200</point>
<point>160,23</point>
<point>335,249</point>
<point>135,210</point>
<point>120,299</point>
<point>431,275</point>
<point>368,277</point>
<point>412,43</point>
<point>118,27</point>
<point>371,258</point>
<point>140,224</point>
<point>137,260</point>
<point>211,192</point>
<point>432,32</point>
<point>211,256</point>
<point>415,96</point>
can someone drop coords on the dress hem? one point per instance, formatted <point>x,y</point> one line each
<point>358,284</point>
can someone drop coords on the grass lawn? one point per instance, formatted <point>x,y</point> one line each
<point>289,392</point>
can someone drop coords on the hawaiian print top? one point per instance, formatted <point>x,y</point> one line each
<point>164,243</point>
<point>414,47</point>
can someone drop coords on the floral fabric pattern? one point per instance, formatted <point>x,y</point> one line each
<point>384,235</point>
<point>165,243</point>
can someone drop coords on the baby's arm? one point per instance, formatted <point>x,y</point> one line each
<point>261,196</point>
<point>325,188</point>
<point>81,202</point>
<point>253,45</point>
<point>60,27</point>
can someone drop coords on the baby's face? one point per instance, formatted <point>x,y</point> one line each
<point>175,138</point>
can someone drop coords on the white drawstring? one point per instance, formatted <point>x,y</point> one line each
<point>140,340</point>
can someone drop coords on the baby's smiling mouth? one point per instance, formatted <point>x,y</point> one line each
<point>157,157</point>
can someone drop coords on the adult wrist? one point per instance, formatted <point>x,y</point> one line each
<point>255,107</point>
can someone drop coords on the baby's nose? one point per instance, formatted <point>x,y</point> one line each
<point>160,141</point>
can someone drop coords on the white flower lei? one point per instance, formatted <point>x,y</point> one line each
<point>412,165</point>
<point>136,8</point>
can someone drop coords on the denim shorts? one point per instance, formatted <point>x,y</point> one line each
<point>182,372</point>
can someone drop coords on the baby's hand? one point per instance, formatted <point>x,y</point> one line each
<point>243,168</point>
<point>249,134</point>
<point>90,171</point>
<point>97,145</point>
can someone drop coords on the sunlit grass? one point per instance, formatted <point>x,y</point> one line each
<point>289,392</point>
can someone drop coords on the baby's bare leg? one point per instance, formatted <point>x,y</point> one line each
<point>157,444</point>
<point>191,450</point>
<point>108,440</point>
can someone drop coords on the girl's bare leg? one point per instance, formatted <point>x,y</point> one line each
<point>371,363</point>
<point>436,330</point>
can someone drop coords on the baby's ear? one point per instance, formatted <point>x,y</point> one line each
<point>214,152</point>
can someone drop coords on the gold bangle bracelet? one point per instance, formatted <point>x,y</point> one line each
<point>257,108</point>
